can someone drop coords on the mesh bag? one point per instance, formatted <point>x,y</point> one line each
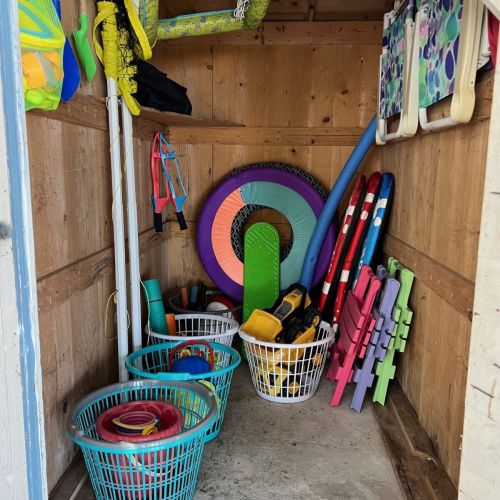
<point>42,44</point>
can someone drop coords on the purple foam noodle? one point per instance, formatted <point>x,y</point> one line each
<point>364,376</point>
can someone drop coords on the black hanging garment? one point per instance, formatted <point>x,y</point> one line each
<point>156,90</point>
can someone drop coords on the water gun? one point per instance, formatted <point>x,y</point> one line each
<point>161,154</point>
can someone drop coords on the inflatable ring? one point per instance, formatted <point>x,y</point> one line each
<point>244,214</point>
<point>266,186</point>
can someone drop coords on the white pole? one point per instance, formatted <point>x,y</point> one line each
<point>133,230</point>
<point>118,226</point>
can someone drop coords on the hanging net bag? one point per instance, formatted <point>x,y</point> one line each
<point>42,44</point>
<point>123,42</point>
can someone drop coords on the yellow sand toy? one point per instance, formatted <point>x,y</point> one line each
<point>277,381</point>
<point>269,326</point>
<point>291,321</point>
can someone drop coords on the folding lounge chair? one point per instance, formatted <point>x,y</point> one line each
<point>448,36</point>
<point>398,78</point>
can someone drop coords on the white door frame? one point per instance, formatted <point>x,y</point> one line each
<point>480,463</point>
<point>22,450</point>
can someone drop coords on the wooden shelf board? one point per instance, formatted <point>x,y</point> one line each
<point>277,136</point>
<point>90,111</point>
<point>178,120</point>
<point>294,33</point>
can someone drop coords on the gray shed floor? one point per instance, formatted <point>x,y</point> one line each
<point>274,451</point>
<point>296,451</point>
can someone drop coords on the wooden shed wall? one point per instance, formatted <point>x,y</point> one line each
<point>434,230</point>
<point>72,193</point>
<point>72,196</point>
<point>304,93</point>
<point>303,103</point>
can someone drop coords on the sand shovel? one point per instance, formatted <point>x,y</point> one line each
<point>82,44</point>
<point>71,80</point>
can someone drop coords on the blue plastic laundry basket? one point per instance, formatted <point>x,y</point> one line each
<point>153,362</point>
<point>160,469</point>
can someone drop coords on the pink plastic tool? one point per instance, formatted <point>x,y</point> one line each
<point>356,325</point>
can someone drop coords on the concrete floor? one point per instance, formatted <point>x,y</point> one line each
<point>301,451</point>
<point>266,451</point>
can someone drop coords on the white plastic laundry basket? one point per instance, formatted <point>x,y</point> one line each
<point>287,373</point>
<point>208,327</point>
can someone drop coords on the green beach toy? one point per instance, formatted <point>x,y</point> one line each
<point>402,316</point>
<point>261,272</point>
<point>157,320</point>
<point>85,55</point>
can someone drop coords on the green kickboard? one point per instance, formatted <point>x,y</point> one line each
<point>402,315</point>
<point>261,275</point>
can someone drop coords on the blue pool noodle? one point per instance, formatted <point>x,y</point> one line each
<point>333,200</point>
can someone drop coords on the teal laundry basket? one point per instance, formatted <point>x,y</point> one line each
<point>159,469</point>
<point>153,363</point>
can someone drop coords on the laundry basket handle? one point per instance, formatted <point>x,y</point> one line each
<point>193,342</point>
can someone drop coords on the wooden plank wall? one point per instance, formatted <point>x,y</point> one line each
<point>71,197</point>
<point>292,10</point>
<point>435,222</point>
<point>434,230</point>
<point>285,95</point>
<point>71,189</point>
<point>304,102</point>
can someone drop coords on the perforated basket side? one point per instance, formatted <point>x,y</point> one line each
<point>202,326</point>
<point>166,468</point>
<point>153,362</point>
<point>287,373</point>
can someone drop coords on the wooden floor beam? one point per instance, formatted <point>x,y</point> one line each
<point>415,461</point>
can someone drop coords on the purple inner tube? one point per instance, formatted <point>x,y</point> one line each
<point>224,189</point>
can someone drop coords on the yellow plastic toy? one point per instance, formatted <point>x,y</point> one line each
<point>286,355</point>
<point>42,43</point>
<point>292,322</point>
<point>269,327</point>
<point>277,381</point>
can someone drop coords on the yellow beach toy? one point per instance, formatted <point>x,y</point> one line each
<point>269,326</point>
<point>291,321</point>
